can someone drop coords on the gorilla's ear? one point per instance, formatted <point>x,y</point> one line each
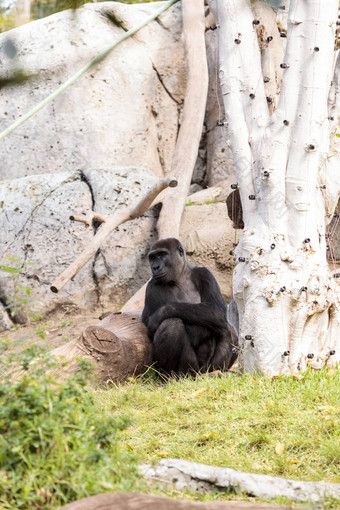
<point>180,250</point>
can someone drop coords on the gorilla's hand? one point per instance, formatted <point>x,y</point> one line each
<point>156,319</point>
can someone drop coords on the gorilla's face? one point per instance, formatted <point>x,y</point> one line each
<point>167,260</point>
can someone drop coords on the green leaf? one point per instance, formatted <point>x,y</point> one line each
<point>10,269</point>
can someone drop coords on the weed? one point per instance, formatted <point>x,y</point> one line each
<point>65,324</point>
<point>18,299</point>
<point>56,445</point>
<point>208,201</point>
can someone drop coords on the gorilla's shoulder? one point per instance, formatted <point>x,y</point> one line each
<point>202,272</point>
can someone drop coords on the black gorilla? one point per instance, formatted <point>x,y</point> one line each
<point>185,313</point>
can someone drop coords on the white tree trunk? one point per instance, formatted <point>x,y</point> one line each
<point>285,292</point>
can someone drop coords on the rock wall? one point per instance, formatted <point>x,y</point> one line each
<point>38,238</point>
<point>124,111</point>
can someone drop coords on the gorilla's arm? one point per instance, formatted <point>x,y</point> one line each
<point>153,301</point>
<point>201,314</point>
<point>210,313</point>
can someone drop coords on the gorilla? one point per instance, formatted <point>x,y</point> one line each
<point>185,314</point>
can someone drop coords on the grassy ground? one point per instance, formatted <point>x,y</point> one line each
<point>62,440</point>
<point>283,427</point>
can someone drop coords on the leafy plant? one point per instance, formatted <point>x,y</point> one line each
<point>55,444</point>
<point>17,300</point>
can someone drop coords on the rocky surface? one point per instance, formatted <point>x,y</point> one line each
<point>124,111</point>
<point>208,237</point>
<point>39,240</point>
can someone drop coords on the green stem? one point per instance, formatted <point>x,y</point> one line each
<point>84,69</point>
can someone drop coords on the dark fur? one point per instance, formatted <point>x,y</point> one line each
<point>185,313</point>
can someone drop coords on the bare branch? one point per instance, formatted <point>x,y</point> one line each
<point>89,218</point>
<point>334,95</point>
<point>218,193</point>
<point>189,136</point>
<point>272,51</point>
<point>309,144</point>
<point>107,227</point>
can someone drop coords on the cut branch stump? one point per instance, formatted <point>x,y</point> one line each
<point>119,347</point>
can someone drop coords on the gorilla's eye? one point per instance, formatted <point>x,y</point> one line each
<point>180,251</point>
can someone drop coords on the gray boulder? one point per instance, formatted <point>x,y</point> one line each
<point>39,240</point>
<point>124,111</point>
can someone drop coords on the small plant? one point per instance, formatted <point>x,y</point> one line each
<point>65,324</point>
<point>17,300</point>
<point>208,201</point>
<point>55,444</point>
<point>4,344</point>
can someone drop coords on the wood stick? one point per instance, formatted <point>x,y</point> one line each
<point>106,228</point>
<point>185,154</point>
<point>189,135</point>
<point>89,218</point>
<point>186,149</point>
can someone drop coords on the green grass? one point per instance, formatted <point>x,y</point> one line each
<point>283,427</point>
<point>205,202</point>
<point>60,440</point>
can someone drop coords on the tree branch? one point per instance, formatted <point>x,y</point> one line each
<point>310,133</point>
<point>242,90</point>
<point>110,223</point>
<point>272,51</point>
<point>189,136</point>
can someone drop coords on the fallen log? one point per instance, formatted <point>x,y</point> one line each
<point>118,501</point>
<point>118,346</point>
<point>192,476</point>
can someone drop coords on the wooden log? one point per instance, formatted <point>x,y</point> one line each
<point>136,302</point>
<point>183,474</point>
<point>118,501</point>
<point>218,193</point>
<point>118,345</point>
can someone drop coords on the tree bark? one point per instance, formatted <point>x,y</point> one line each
<point>286,295</point>
<point>272,51</point>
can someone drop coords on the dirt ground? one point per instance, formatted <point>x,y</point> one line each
<point>55,330</point>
